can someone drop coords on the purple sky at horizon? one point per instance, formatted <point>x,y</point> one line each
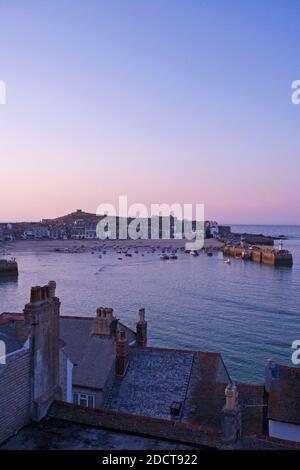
<point>163,101</point>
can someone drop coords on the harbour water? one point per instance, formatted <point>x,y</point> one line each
<point>246,311</point>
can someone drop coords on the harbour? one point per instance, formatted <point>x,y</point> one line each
<point>195,302</point>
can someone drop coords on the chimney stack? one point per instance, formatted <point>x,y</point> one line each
<point>35,294</point>
<point>122,351</point>
<point>141,330</point>
<point>102,322</point>
<point>51,289</point>
<point>42,318</point>
<point>44,290</point>
<point>231,416</point>
<point>231,395</point>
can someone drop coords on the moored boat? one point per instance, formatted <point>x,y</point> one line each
<point>8,267</point>
<point>194,253</point>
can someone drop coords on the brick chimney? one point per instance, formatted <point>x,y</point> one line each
<point>42,316</point>
<point>231,416</point>
<point>141,330</point>
<point>51,289</point>
<point>104,322</point>
<point>122,351</point>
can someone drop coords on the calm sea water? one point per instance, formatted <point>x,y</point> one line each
<point>246,311</point>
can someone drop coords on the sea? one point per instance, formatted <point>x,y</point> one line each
<point>246,311</point>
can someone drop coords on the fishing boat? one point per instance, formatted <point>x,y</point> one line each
<point>246,254</point>
<point>8,267</point>
<point>194,253</point>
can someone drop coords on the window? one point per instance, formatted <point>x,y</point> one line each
<point>83,399</point>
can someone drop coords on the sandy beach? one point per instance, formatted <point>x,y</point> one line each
<point>43,246</point>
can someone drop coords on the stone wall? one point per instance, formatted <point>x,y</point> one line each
<point>141,425</point>
<point>15,394</point>
<point>197,435</point>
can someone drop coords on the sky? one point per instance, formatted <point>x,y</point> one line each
<point>165,101</point>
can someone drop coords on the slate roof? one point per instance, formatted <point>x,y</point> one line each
<point>155,379</point>
<point>206,400</point>
<point>284,398</point>
<point>76,333</point>
<point>206,395</point>
<point>97,361</point>
<point>13,331</point>
<point>158,377</point>
<point>93,356</point>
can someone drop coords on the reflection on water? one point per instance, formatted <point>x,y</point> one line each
<point>7,278</point>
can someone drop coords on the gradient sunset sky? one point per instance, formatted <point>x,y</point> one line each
<point>169,101</point>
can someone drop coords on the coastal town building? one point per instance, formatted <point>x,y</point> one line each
<point>81,225</point>
<point>283,388</point>
<point>30,372</point>
<point>90,232</point>
<point>88,338</point>
<point>86,374</point>
<point>15,376</point>
<point>37,232</point>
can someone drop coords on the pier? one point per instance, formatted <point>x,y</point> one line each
<point>272,256</point>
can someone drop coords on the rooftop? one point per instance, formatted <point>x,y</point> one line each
<point>13,331</point>
<point>284,399</point>
<point>92,355</point>
<point>56,434</point>
<point>71,427</point>
<point>205,396</point>
<point>156,378</point>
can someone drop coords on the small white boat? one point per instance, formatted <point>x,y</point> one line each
<point>194,253</point>
<point>227,261</point>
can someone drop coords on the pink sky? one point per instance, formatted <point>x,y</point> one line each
<point>162,104</point>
